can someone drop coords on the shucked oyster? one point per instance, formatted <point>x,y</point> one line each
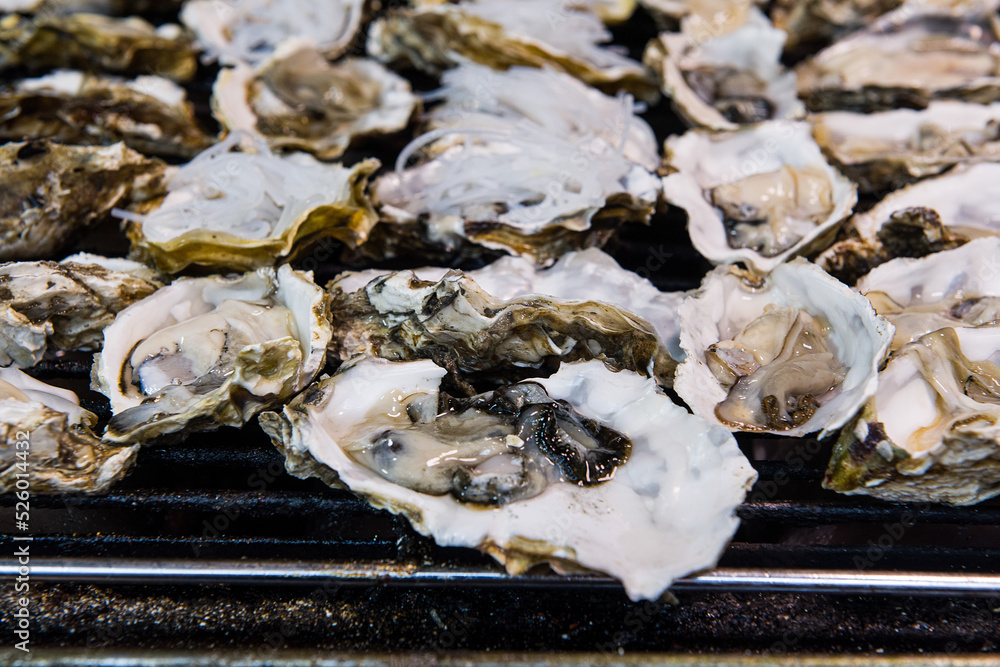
<point>758,196</point>
<point>65,306</point>
<point>505,33</point>
<point>46,442</point>
<point>584,469</point>
<point>149,113</point>
<point>931,432</point>
<point>208,352</point>
<point>796,353</point>
<point>239,210</point>
<point>92,42</point>
<point>298,100</point>
<point>52,191</point>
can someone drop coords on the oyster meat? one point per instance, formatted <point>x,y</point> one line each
<point>46,441</point>
<point>795,353</point>
<point>586,469</point>
<point>239,210</point>
<point>51,192</point>
<point>208,352</point>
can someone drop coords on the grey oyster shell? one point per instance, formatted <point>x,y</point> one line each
<point>811,22</point>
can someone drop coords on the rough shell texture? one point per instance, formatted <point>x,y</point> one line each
<point>811,22</point>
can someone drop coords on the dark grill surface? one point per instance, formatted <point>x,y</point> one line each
<point>210,545</point>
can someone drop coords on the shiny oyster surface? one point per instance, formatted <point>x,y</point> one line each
<point>46,439</point>
<point>129,46</point>
<point>796,353</point>
<point>810,22</point>
<point>51,191</point>
<point>759,196</point>
<point>149,113</point>
<point>208,352</point>
<point>298,100</point>
<point>244,210</point>
<point>63,306</point>
<point>547,479</point>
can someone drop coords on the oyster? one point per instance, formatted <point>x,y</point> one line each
<point>506,33</point>
<point>890,149</point>
<point>238,210</point>
<point>208,352</point>
<point>609,11</point>
<point>547,433</point>
<point>129,46</point>
<point>64,305</point>
<point>107,7</point>
<point>51,192</point>
<point>715,17</point>
<point>919,52</point>
<point>149,113</point>
<point>795,353</point>
<point>250,30</point>
<point>810,22</point>
<point>297,100</point>
<point>47,442</point>
<point>758,196</point>
<point>725,81</point>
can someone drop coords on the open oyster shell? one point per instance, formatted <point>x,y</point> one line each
<point>297,100</point>
<point>208,352</point>
<point>931,432</point>
<point>149,113</point>
<point>64,305</point>
<point>796,353</point>
<point>129,46</point>
<point>916,53</point>
<point>240,210</point>
<point>811,22</point>
<point>758,196</point>
<point>667,511</point>
<point>506,33</point>
<point>890,149</point>
<point>724,81</point>
<point>46,439</point>
<point>51,192</point>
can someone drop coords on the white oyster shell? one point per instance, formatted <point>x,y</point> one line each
<point>666,512</point>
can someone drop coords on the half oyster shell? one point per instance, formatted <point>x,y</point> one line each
<point>811,22</point>
<point>630,525</point>
<point>208,352</point>
<point>46,439</point>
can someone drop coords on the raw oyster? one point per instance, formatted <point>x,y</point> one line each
<point>462,328</point>
<point>298,100</point>
<point>725,81</point>
<point>758,196</point>
<point>505,33</point>
<point>810,22</point>
<point>46,440</point>
<point>916,53</point>
<point>571,174</point>
<point>666,511</point>
<point>250,30</point>
<point>239,210</point>
<point>63,305</point>
<point>107,7</point>
<point>149,113</point>
<point>890,149</point>
<point>92,42</point>
<point>208,352</point>
<point>795,353</point>
<point>51,192</point>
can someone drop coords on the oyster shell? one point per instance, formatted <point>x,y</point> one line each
<point>890,149</point>
<point>507,33</point>
<point>609,11</point>
<point>129,46</point>
<point>810,22</point>
<point>107,7</point>
<point>795,353</point>
<point>239,210</point>
<point>758,196</point>
<point>297,100</point>
<point>208,352</point>
<point>150,114</point>
<point>64,305</point>
<point>725,81</point>
<point>47,441</point>
<point>629,526</point>
<point>51,192</point>
<point>916,53</point>
<point>715,16</point>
